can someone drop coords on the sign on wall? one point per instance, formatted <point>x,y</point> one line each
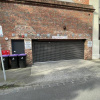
<point>28,45</point>
<point>89,44</point>
<point>59,37</point>
<point>1,32</point>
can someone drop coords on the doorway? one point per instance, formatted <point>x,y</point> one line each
<point>18,47</point>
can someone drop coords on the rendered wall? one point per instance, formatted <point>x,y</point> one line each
<point>95,50</point>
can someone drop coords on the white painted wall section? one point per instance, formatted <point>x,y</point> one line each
<point>95,49</point>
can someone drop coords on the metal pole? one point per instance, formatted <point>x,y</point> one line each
<point>2,64</point>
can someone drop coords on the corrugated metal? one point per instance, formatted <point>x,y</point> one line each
<point>57,50</point>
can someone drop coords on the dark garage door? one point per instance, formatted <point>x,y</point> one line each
<point>57,50</point>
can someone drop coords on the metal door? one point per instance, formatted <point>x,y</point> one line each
<point>18,46</point>
<point>57,50</point>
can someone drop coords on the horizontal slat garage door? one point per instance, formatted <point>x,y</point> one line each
<point>57,50</point>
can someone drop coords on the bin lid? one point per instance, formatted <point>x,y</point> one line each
<point>5,55</point>
<point>13,55</point>
<point>22,54</point>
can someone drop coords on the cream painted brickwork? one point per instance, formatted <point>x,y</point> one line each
<point>95,50</point>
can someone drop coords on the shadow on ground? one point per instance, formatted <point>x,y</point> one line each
<point>52,72</point>
<point>64,70</point>
<point>76,79</point>
<point>15,75</point>
<point>76,91</point>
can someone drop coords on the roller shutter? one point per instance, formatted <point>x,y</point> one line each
<point>57,50</point>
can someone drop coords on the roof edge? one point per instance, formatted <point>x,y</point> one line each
<point>54,4</point>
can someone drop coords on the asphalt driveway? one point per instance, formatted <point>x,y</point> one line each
<point>52,72</point>
<point>65,70</point>
<point>61,80</point>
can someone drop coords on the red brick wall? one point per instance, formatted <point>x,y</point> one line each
<point>82,1</point>
<point>20,19</point>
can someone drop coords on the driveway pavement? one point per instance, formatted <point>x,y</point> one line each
<point>52,72</point>
<point>65,70</point>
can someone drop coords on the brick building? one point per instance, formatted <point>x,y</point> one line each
<point>47,30</point>
<point>96,25</point>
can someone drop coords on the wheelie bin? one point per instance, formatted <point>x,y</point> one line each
<point>13,61</point>
<point>22,60</point>
<point>5,61</point>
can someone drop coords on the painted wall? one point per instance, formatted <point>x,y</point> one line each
<point>77,1</point>
<point>95,37</point>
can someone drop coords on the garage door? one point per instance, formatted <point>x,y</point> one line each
<point>57,50</point>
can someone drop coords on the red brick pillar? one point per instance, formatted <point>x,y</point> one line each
<point>87,51</point>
